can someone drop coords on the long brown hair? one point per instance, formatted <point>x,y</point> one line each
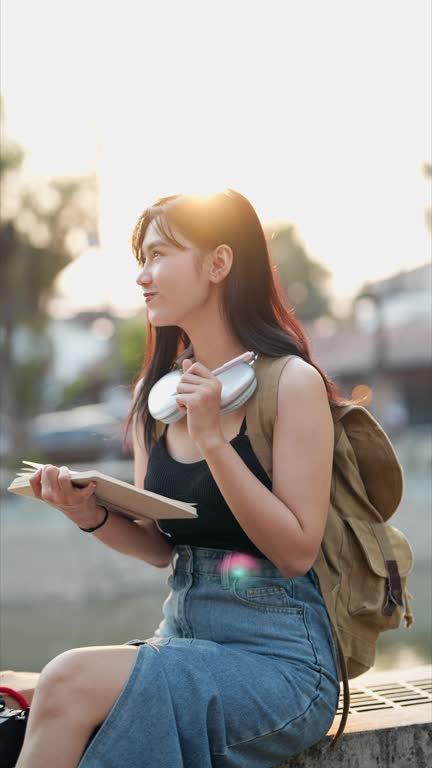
<point>255,305</point>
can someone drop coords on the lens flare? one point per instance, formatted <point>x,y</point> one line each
<point>240,564</point>
<point>362,393</point>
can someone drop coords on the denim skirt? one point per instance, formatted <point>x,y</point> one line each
<point>240,673</point>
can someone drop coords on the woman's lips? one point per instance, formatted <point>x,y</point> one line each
<point>149,296</point>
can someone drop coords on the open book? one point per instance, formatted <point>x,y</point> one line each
<point>117,496</point>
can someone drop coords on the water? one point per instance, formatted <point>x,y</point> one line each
<point>32,633</point>
<point>61,588</point>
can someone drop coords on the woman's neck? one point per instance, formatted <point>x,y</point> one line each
<point>215,346</point>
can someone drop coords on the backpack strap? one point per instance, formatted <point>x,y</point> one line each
<point>261,412</point>
<point>261,408</point>
<point>326,589</point>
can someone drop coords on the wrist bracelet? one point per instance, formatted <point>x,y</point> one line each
<point>90,530</point>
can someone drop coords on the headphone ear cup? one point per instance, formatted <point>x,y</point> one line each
<point>242,398</point>
<point>238,385</point>
<point>161,402</point>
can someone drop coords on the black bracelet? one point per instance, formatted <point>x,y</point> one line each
<point>90,530</point>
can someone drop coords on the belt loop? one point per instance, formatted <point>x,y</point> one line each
<point>226,571</point>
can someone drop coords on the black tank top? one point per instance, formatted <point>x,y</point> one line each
<point>216,526</point>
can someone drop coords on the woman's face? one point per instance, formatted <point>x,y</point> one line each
<point>177,288</point>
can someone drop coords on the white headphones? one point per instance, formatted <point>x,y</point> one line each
<point>238,385</point>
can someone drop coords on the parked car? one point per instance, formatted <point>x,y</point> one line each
<point>84,433</point>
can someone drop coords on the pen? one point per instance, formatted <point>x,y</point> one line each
<point>246,357</point>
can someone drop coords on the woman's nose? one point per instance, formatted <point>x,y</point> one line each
<point>143,277</point>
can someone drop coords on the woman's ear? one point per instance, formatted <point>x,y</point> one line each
<point>221,260</point>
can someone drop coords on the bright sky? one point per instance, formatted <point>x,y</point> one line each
<point>319,112</point>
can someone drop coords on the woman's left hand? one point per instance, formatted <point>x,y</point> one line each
<point>199,396</point>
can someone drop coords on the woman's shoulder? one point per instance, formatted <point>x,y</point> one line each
<point>299,377</point>
<point>290,367</point>
<point>286,385</point>
<point>294,378</point>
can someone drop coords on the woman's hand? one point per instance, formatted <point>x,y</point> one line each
<point>199,396</point>
<point>54,486</point>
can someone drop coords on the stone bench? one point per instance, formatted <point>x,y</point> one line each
<point>389,725</point>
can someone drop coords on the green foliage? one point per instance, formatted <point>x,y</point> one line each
<point>76,392</point>
<point>131,340</point>
<point>89,384</point>
<point>303,279</point>
<point>120,368</point>
<point>29,384</point>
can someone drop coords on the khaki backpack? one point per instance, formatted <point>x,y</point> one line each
<point>363,562</point>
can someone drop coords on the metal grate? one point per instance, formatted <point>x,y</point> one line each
<point>391,695</point>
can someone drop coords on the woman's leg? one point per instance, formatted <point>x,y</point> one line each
<point>73,696</point>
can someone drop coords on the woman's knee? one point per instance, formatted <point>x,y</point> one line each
<point>62,682</point>
<point>84,680</point>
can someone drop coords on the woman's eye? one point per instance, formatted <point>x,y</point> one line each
<point>153,255</point>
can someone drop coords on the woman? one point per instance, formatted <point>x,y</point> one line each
<point>242,671</point>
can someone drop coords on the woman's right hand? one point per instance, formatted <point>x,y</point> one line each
<point>54,486</point>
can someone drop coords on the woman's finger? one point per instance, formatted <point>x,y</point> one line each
<point>48,481</point>
<point>35,483</point>
<point>186,387</point>
<point>191,378</point>
<point>73,492</point>
<point>50,478</point>
<point>183,400</point>
<point>88,490</point>
<point>64,479</point>
<point>198,369</point>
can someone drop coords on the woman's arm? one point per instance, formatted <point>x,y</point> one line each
<point>136,539</point>
<point>287,524</point>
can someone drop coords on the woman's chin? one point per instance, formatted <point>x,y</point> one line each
<point>158,321</point>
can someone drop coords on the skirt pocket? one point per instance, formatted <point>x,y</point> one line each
<point>265,595</point>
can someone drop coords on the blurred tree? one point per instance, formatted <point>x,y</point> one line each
<point>43,226</point>
<point>120,369</point>
<point>303,279</point>
<point>88,386</point>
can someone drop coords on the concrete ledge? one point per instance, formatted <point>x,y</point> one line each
<point>407,747</point>
<point>389,725</point>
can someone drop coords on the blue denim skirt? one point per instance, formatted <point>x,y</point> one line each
<point>241,672</point>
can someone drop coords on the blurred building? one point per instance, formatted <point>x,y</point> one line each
<point>386,348</point>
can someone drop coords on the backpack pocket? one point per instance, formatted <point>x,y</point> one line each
<point>376,594</point>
